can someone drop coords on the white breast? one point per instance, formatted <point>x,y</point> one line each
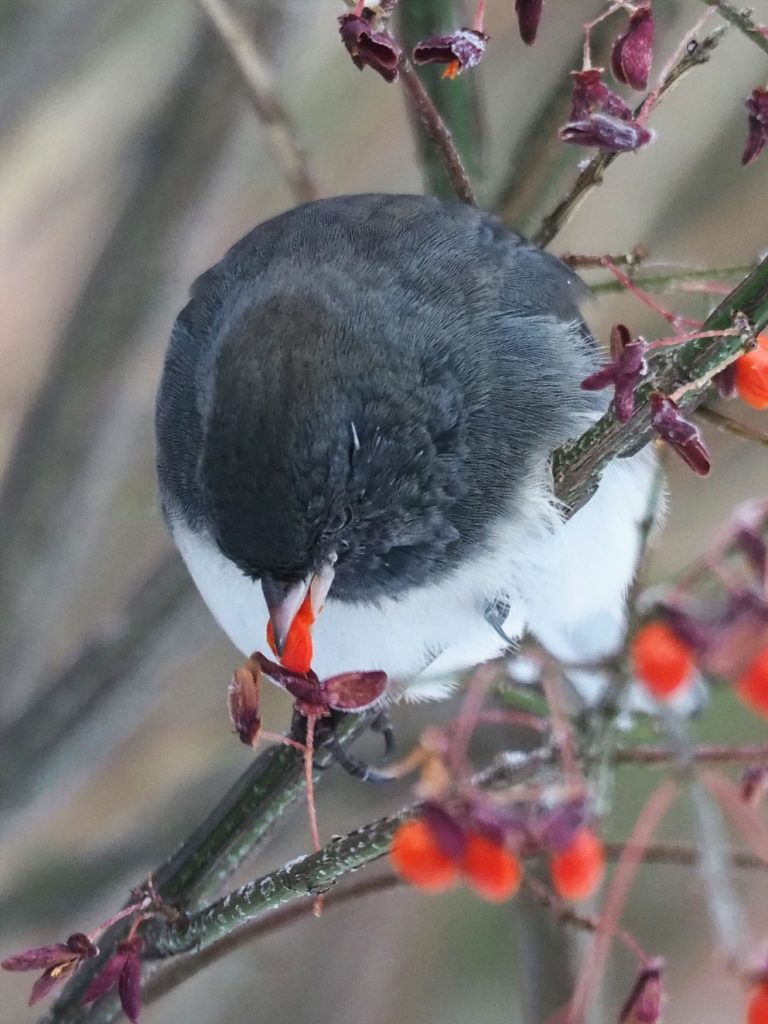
<point>558,577</point>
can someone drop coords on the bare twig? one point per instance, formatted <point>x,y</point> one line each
<point>305,877</point>
<point>701,755</point>
<point>593,173</point>
<point>672,278</point>
<point>48,505</point>
<point>438,132</point>
<point>685,855</point>
<point>742,19</point>
<point>80,713</point>
<point>688,367</point>
<point>732,426</point>
<point>254,69</point>
<point>181,968</point>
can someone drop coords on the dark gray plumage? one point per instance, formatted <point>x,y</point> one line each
<point>369,382</point>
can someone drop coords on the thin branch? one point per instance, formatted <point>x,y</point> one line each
<point>685,369</point>
<point>673,279</point>
<point>593,173</point>
<point>305,877</point>
<point>685,855</point>
<point>179,970</point>
<point>254,68</point>
<point>742,19</point>
<point>458,101</point>
<point>732,426</point>
<point>80,713</point>
<point>438,132</point>
<point>260,798</point>
<point>701,755</point>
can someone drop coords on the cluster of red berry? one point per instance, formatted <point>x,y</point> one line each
<point>488,867</point>
<point>665,665</point>
<point>752,375</point>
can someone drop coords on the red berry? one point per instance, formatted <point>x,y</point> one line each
<point>297,654</point>
<point>753,685</point>
<point>752,375</point>
<point>416,855</point>
<point>660,660</point>
<point>493,872</point>
<point>757,1008</point>
<point>578,870</point>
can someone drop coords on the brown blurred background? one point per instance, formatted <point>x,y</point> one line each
<point>130,158</point>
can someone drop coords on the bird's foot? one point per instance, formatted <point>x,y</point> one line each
<point>326,736</point>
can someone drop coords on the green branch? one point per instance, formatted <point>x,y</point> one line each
<point>577,465</point>
<point>306,877</point>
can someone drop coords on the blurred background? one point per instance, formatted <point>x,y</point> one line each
<point>130,159</point>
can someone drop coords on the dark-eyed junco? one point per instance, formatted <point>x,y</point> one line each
<point>359,402</point>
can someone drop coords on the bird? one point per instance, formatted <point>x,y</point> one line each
<point>358,408</point>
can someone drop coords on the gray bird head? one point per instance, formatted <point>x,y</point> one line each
<point>361,388</point>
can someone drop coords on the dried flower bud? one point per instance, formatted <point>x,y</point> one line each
<point>123,969</point>
<point>460,50</point>
<point>243,700</point>
<point>58,962</point>
<point>591,94</point>
<point>377,50</point>
<point>607,132</point>
<point>354,691</point>
<point>643,1006</point>
<point>632,52</point>
<point>671,425</point>
<point>757,107</point>
<point>348,691</point>
<point>627,366</point>
<point>528,18</point>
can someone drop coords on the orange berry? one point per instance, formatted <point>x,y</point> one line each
<point>493,872</point>
<point>660,659</point>
<point>417,857</point>
<point>297,655</point>
<point>757,1008</point>
<point>753,685</point>
<point>578,870</point>
<point>752,375</point>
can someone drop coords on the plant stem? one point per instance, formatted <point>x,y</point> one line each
<point>652,280</point>
<point>440,138</point>
<point>215,849</point>
<point>593,173</point>
<point>685,855</point>
<point>701,755</point>
<point>578,464</point>
<point>455,102</point>
<point>254,69</point>
<point>307,876</point>
<point>732,426</point>
<point>742,19</point>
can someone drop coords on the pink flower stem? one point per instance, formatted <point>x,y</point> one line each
<point>120,916</point>
<point>479,19</point>
<point>647,822</point>
<point>644,297</point>
<point>653,97</point>
<point>678,339</point>
<point>589,25</point>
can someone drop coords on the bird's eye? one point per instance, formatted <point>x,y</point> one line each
<point>339,520</point>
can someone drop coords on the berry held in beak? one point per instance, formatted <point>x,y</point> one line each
<point>293,608</point>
